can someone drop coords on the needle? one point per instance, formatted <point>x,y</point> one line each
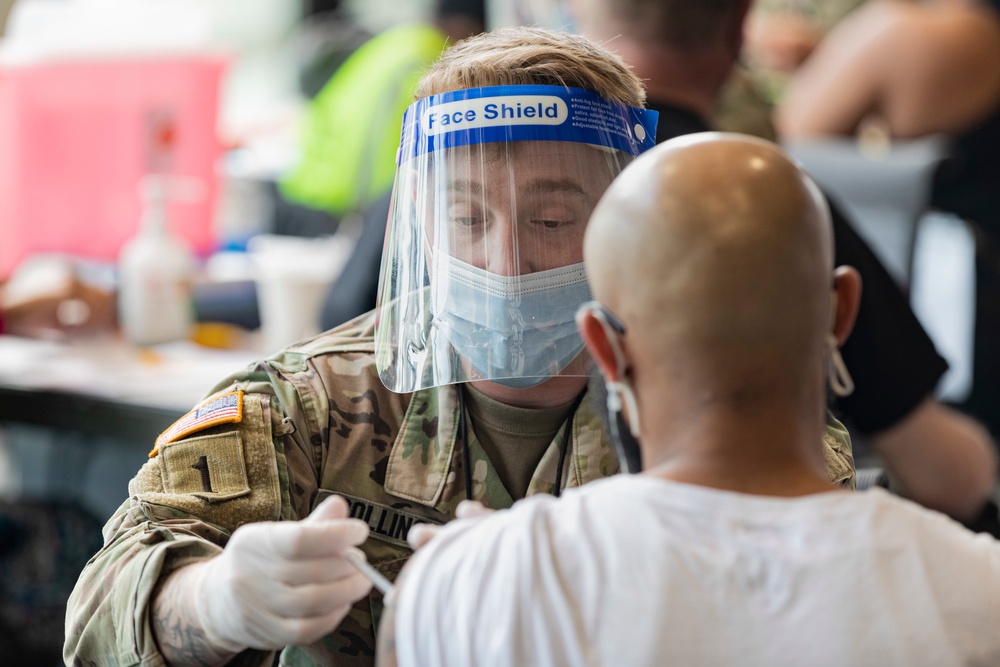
<point>378,580</point>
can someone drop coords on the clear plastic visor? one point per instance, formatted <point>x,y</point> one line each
<point>482,270</point>
<point>483,264</point>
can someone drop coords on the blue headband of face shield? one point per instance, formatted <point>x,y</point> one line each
<point>454,310</point>
<point>523,113</point>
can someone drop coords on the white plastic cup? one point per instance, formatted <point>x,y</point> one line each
<point>293,277</point>
<point>290,308</point>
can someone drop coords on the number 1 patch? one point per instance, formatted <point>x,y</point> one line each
<point>211,467</point>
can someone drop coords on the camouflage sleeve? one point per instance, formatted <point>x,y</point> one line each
<point>202,481</point>
<point>107,619</point>
<point>839,453</point>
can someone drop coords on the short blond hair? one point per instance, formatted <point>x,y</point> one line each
<point>525,56</point>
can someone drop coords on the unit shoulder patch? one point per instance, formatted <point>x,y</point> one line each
<point>224,409</point>
<point>211,467</point>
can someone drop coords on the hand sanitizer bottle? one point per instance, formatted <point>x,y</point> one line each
<point>155,270</point>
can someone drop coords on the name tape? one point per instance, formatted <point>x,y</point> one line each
<point>388,524</point>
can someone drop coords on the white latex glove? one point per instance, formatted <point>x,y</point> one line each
<point>422,533</point>
<point>281,583</point>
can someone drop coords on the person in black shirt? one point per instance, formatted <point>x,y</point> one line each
<point>929,68</point>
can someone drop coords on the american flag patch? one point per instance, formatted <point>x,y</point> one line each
<point>224,409</point>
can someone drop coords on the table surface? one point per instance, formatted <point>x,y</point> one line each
<point>107,387</point>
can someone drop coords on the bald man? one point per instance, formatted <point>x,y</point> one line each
<point>683,51</point>
<point>718,315</point>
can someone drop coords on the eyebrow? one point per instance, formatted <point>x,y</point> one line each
<point>539,186</point>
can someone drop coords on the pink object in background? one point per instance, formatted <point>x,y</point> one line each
<point>76,138</point>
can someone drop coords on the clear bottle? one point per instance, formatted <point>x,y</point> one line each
<point>155,273</point>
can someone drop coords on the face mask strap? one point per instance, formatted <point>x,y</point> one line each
<point>618,390</point>
<point>841,382</point>
<point>613,328</point>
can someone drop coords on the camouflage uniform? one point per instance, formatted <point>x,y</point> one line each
<point>312,420</point>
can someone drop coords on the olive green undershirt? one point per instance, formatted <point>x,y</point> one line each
<point>514,438</point>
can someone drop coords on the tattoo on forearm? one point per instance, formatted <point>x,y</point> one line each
<point>181,641</point>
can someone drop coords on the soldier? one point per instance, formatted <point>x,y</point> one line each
<point>466,382</point>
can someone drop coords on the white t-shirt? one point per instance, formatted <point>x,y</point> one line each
<point>638,571</point>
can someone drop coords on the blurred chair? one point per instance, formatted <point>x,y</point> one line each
<point>869,478</point>
<point>43,547</point>
<point>943,296</point>
<point>885,189</point>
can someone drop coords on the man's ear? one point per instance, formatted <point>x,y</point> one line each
<point>847,298</point>
<point>595,336</point>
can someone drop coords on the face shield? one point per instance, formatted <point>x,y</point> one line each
<point>482,270</point>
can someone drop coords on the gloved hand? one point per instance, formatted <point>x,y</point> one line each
<point>281,583</point>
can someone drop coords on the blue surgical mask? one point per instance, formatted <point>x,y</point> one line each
<point>515,330</point>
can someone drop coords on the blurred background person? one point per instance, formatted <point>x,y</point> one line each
<point>913,70</point>
<point>352,126</point>
<point>351,136</point>
<point>358,86</point>
<point>782,33</point>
